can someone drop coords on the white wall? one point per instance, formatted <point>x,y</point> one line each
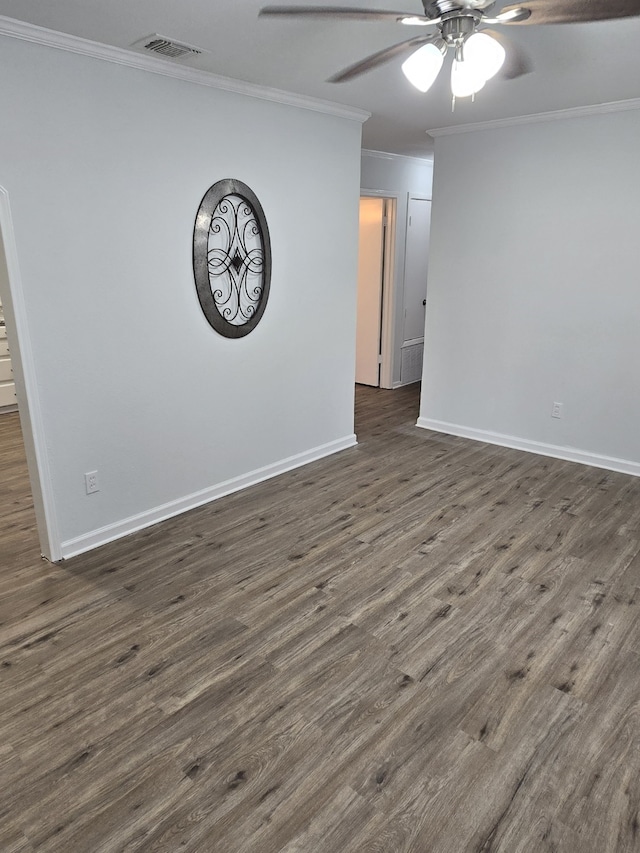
<point>393,175</point>
<point>533,288</point>
<point>105,167</point>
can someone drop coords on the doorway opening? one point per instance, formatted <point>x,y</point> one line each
<point>376,260</point>
<point>392,290</point>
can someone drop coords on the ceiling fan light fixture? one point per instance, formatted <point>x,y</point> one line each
<point>485,54</point>
<point>423,66</point>
<point>466,79</point>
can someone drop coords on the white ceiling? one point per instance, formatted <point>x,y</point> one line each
<point>575,64</point>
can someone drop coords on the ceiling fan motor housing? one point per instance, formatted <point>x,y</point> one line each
<point>458,26</point>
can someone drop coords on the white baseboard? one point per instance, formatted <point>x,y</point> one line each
<point>569,454</point>
<point>405,384</point>
<point>102,535</point>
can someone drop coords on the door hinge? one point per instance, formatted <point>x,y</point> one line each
<point>380,359</point>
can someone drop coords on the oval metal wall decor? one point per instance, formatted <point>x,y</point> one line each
<point>231,258</point>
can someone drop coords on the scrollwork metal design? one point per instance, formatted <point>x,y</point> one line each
<point>231,258</point>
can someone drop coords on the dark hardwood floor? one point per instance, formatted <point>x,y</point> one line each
<point>420,644</point>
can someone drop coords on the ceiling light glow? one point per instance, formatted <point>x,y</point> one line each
<point>481,59</point>
<point>465,79</point>
<point>485,54</point>
<point>423,66</point>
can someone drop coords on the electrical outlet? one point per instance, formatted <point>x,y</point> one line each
<point>556,410</point>
<point>91,482</point>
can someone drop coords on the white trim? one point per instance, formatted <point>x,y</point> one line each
<point>108,53</point>
<point>386,155</point>
<point>535,118</point>
<point>397,385</point>
<point>412,342</point>
<point>388,319</point>
<point>27,393</point>
<point>380,194</point>
<point>389,284</point>
<point>145,519</point>
<point>569,454</point>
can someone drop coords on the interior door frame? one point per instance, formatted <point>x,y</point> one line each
<point>387,337</point>
<point>29,408</point>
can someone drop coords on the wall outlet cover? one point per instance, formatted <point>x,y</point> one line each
<point>91,482</point>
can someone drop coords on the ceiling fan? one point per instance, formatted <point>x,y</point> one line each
<point>479,53</point>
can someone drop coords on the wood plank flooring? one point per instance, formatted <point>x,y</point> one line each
<point>420,645</point>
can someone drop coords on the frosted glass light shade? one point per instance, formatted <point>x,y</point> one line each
<point>485,54</point>
<point>465,79</point>
<point>423,66</point>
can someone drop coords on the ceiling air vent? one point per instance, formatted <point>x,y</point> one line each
<point>164,46</point>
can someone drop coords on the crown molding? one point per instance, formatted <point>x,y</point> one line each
<point>535,118</point>
<point>13,28</point>
<point>384,155</point>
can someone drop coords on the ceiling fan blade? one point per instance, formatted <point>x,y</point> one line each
<point>348,13</point>
<point>513,15</point>
<point>379,58</point>
<point>577,11</point>
<point>518,61</point>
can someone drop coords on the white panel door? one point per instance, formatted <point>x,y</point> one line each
<point>370,266</point>
<point>415,275</point>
